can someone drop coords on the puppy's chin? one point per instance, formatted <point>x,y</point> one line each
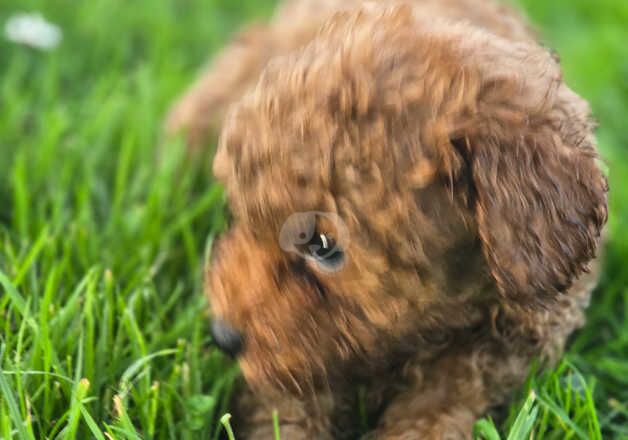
<point>300,371</point>
<point>306,370</point>
<point>272,375</point>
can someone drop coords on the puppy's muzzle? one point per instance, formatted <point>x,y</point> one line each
<point>228,339</point>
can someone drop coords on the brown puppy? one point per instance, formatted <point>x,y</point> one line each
<point>417,210</point>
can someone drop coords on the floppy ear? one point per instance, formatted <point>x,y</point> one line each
<point>537,192</point>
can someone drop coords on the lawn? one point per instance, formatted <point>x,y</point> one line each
<point>103,323</point>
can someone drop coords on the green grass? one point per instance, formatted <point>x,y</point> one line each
<point>103,332</point>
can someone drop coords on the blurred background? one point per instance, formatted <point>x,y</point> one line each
<point>103,329</point>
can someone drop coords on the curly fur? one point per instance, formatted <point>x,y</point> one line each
<point>465,170</point>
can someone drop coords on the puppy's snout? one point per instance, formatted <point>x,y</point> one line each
<point>226,337</point>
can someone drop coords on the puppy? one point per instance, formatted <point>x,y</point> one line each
<point>417,208</point>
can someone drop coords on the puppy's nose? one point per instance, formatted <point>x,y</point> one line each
<point>226,337</point>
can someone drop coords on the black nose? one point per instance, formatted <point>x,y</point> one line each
<point>226,337</point>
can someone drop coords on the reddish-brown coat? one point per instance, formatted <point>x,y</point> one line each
<point>465,170</point>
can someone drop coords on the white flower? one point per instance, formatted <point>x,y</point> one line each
<point>32,30</point>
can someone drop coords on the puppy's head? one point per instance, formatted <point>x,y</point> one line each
<point>384,178</point>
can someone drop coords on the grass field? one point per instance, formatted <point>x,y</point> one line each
<point>103,331</point>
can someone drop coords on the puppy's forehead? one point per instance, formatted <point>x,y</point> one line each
<point>344,120</point>
<point>304,99</point>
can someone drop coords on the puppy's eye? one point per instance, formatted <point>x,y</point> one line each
<point>324,250</point>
